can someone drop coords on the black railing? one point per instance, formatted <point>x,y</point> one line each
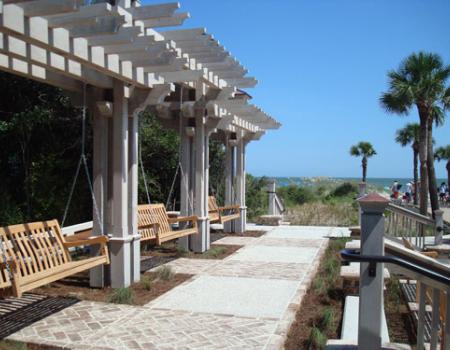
<point>354,256</point>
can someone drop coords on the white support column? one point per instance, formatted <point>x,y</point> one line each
<point>371,277</point>
<point>120,242</point>
<point>228,226</point>
<point>271,188</point>
<point>199,242</point>
<point>100,176</point>
<point>186,200</point>
<point>206,190</point>
<point>241,222</point>
<point>133,144</point>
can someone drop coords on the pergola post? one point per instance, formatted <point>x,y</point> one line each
<point>120,241</point>
<point>228,226</point>
<point>200,242</point>
<point>186,200</point>
<point>133,144</point>
<point>100,182</point>
<point>241,222</point>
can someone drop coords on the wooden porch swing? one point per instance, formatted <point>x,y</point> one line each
<point>222,214</point>
<point>35,254</point>
<point>154,224</point>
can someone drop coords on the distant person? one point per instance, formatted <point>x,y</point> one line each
<point>408,192</point>
<point>395,189</point>
<point>443,190</point>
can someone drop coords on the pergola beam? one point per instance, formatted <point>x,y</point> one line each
<point>48,7</point>
<point>153,11</point>
<point>175,20</point>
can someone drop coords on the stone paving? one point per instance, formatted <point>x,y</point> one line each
<point>245,301</point>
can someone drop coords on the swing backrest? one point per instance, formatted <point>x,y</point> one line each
<point>36,247</point>
<point>149,214</point>
<point>212,204</point>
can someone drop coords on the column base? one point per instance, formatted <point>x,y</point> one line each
<point>200,242</point>
<point>241,223</point>
<point>135,248</point>
<point>120,256</point>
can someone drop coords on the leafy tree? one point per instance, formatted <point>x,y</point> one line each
<point>409,135</point>
<point>364,150</point>
<point>443,154</point>
<point>419,82</point>
<point>256,196</point>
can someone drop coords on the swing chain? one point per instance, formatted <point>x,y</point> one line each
<point>83,161</point>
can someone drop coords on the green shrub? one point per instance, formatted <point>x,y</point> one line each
<point>181,251</point>
<point>147,283</point>
<point>294,194</point>
<point>121,296</point>
<point>328,317</point>
<point>215,252</point>
<point>319,285</point>
<point>345,189</point>
<point>164,273</point>
<point>317,340</point>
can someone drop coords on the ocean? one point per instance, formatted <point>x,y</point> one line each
<point>381,183</point>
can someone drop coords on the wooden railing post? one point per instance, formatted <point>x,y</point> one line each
<point>439,226</point>
<point>371,276</point>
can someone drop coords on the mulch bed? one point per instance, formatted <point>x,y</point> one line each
<point>219,234</point>
<point>158,255</point>
<point>77,286</point>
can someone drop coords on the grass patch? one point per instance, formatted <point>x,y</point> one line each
<point>214,252</point>
<point>320,314</point>
<point>147,283</point>
<point>122,296</point>
<point>164,273</point>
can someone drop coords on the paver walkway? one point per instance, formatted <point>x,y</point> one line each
<point>245,301</point>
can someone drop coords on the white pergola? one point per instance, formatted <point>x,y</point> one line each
<point>119,52</point>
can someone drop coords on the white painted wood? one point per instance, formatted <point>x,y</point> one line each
<point>421,316</point>
<point>240,223</point>
<point>435,319</point>
<point>133,138</point>
<point>154,11</point>
<point>48,7</point>
<point>229,226</point>
<point>120,243</point>
<point>371,286</point>
<point>100,183</point>
<point>175,20</point>
<point>183,34</point>
<point>181,76</point>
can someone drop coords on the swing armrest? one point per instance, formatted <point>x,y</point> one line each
<point>430,254</point>
<point>102,240</point>
<point>229,207</point>
<point>155,225</point>
<point>83,235</point>
<point>192,218</point>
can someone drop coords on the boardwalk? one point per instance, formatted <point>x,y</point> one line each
<point>246,301</point>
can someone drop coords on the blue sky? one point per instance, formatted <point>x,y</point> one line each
<point>322,67</point>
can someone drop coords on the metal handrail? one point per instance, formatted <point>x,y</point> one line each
<point>354,256</point>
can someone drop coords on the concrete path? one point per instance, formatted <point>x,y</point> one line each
<point>246,301</point>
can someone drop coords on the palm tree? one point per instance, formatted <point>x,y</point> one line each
<point>409,135</point>
<point>443,153</point>
<point>364,150</point>
<point>419,82</point>
<point>437,117</point>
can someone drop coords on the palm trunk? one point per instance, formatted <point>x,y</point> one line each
<point>364,169</point>
<point>448,173</point>
<point>416,174</point>
<point>423,137</point>
<point>432,183</point>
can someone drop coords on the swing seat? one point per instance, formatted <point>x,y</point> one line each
<point>37,254</point>
<point>221,214</point>
<point>155,225</point>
